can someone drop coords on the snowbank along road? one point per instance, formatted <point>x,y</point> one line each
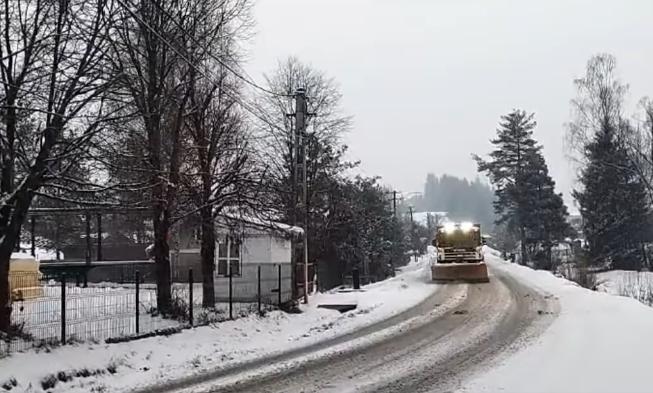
<point>434,347</point>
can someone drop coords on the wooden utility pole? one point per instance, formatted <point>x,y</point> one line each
<point>412,232</point>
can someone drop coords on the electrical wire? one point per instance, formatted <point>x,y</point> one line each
<point>214,57</point>
<point>195,67</point>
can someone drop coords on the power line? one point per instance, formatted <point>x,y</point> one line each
<point>222,63</point>
<point>192,65</point>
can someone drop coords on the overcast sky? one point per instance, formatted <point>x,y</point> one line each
<point>426,80</point>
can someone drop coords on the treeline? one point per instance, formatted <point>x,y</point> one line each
<point>144,104</point>
<point>461,199</point>
<point>614,153</point>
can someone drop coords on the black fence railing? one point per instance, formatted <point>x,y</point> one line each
<point>56,310</point>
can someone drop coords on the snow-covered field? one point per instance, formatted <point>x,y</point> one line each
<point>598,343</point>
<point>158,359</point>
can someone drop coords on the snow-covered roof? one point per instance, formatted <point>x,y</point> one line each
<point>21,255</point>
<point>230,219</point>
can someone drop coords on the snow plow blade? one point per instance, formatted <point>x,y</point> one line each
<point>460,272</point>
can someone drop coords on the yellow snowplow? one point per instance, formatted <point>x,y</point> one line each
<point>459,254</point>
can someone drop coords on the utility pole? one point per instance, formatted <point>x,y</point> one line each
<point>300,188</point>
<point>412,232</point>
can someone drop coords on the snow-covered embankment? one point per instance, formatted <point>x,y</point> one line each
<point>598,343</point>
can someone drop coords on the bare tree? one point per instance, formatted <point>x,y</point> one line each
<point>218,163</point>
<point>189,119</point>
<point>639,141</point>
<point>326,164</point>
<point>218,158</point>
<point>148,54</point>
<point>54,83</point>
<point>599,102</point>
<point>276,129</point>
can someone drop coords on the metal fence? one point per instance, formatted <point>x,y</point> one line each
<point>51,311</point>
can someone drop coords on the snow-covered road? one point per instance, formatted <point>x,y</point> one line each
<point>452,335</point>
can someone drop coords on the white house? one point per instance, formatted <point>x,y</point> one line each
<point>246,249</point>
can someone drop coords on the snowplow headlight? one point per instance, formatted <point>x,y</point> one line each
<point>449,228</point>
<point>466,226</point>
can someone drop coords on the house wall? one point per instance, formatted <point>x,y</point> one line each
<point>271,252</point>
<point>183,260</point>
<point>245,287</point>
<point>280,250</point>
<point>256,249</point>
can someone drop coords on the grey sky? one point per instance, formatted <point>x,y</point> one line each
<point>427,80</point>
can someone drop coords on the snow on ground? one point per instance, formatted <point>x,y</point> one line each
<point>598,343</point>
<point>158,359</point>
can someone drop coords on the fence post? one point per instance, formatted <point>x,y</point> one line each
<point>33,234</point>
<point>63,309</point>
<point>99,237</point>
<point>279,295</point>
<point>190,295</point>
<point>259,289</point>
<point>138,302</point>
<point>231,299</point>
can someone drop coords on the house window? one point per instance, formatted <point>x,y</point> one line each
<point>229,257</point>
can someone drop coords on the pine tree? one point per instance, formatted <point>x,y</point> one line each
<point>525,203</point>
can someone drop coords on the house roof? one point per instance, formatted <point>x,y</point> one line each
<point>231,219</point>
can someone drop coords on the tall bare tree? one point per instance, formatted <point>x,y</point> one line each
<point>276,128</point>
<point>54,82</point>
<point>148,54</point>
<point>176,58</point>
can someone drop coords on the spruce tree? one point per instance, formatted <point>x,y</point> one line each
<point>613,203</point>
<point>525,200</point>
<point>545,214</point>
<point>612,197</point>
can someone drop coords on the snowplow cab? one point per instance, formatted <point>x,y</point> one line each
<point>459,254</point>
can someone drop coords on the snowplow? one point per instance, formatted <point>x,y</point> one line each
<point>459,254</point>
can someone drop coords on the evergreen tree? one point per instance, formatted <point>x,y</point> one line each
<point>545,212</point>
<point>613,204</point>
<point>526,203</point>
<point>613,199</point>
